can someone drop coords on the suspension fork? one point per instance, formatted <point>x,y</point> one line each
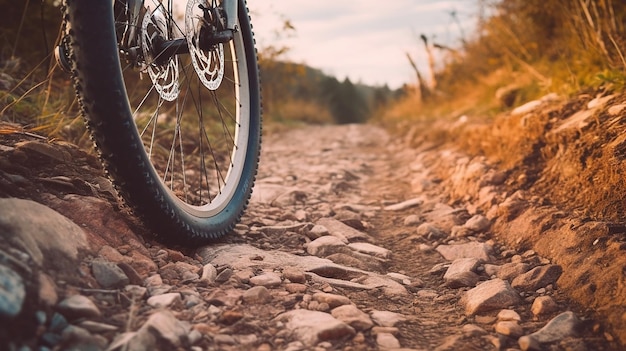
<point>230,8</point>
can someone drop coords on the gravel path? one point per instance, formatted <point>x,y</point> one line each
<point>349,243</point>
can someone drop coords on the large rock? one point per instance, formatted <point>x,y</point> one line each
<point>473,249</point>
<point>49,238</point>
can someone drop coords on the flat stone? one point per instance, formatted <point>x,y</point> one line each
<point>342,231</point>
<point>108,274</point>
<point>371,249</point>
<point>257,295</point>
<point>311,327</point>
<point>560,327</point>
<point>12,292</point>
<point>387,318</point>
<point>512,270</point>
<point>473,249</point>
<point>490,295</point>
<point>325,246</point>
<point>78,306</point>
<point>352,316</point>
<point>164,300</point>
<point>267,279</point>
<point>538,277</point>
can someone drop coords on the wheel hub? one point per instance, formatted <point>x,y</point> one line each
<point>163,71</point>
<point>201,23</point>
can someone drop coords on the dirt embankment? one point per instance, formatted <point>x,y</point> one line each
<point>563,190</point>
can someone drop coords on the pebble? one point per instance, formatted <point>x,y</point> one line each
<point>311,327</point>
<point>267,279</point>
<point>508,315</point>
<point>257,295</point>
<point>209,273</point>
<point>509,328</point>
<point>543,305</point>
<point>164,300</point>
<point>12,292</point>
<point>108,274</point>
<point>478,223</point>
<point>331,299</point>
<point>165,327</point>
<point>78,306</point>
<point>294,275</point>
<point>352,316</point>
<point>317,231</point>
<point>430,231</point>
<point>412,220</point>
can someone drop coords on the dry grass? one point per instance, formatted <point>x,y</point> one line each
<point>527,48</point>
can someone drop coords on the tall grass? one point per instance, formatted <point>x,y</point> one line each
<point>523,49</point>
<point>34,93</point>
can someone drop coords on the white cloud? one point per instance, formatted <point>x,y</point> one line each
<point>366,39</point>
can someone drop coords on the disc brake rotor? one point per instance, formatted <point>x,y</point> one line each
<point>164,76</point>
<point>208,64</point>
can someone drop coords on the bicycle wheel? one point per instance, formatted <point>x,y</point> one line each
<point>177,125</point>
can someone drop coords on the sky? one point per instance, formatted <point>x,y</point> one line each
<point>364,40</point>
